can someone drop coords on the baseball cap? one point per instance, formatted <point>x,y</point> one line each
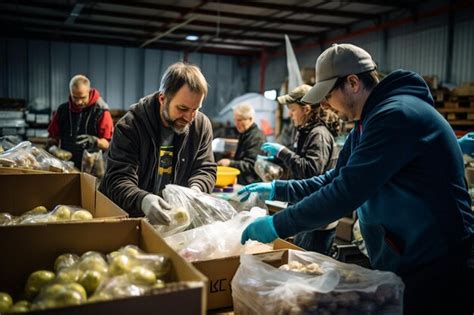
<point>295,94</point>
<point>337,61</point>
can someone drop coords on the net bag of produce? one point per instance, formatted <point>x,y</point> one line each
<point>297,282</point>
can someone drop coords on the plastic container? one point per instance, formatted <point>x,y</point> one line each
<point>226,176</point>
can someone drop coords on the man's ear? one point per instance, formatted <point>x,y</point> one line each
<point>161,98</point>
<point>354,82</point>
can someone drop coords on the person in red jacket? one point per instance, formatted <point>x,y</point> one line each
<point>83,122</point>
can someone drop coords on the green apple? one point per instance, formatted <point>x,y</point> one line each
<point>36,281</point>
<point>5,301</point>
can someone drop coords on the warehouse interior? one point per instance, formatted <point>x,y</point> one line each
<point>254,53</point>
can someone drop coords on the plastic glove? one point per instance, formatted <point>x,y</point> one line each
<point>155,208</point>
<point>265,191</point>
<point>467,143</point>
<point>266,158</point>
<point>262,230</point>
<point>272,148</point>
<point>87,142</point>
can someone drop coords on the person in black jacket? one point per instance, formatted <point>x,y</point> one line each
<point>313,153</point>
<point>248,147</point>
<point>163,139</point>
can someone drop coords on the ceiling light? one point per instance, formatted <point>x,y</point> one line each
<point>192,37</point>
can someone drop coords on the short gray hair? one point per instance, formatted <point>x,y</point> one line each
<point>244,110</point>
<point>77,80</point>
<point>179,74</point>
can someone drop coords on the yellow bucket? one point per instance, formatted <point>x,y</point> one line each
<point>226,176</point>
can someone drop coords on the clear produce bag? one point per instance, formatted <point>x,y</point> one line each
<point>25,155</point>
<point>267,170</point>
<point>202,208</point>
<point>312,283</point>
<point>216,240</point>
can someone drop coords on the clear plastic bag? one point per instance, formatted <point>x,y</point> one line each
<point>93,163</point>
<point>260,288</point>
<point>25,155</point>
<point>41,214</point>
<point>180,220</point>
<point>267,170</point>
<point>216,240</point>
<point>61,154</point>
<point>202,208</point>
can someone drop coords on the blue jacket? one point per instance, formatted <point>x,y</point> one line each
<point>402,169</point>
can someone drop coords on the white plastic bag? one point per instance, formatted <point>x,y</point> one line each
<point>260,288</point>
<point>216,240</point>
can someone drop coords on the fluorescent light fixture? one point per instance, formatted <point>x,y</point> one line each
<point>192,37</point>
<point>271,94</point>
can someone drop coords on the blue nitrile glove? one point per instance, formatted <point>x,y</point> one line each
<point>272,148</point>
<point>261,230</point>
<point>467,143</point>
<point>265,191</point>
<point>266,158</point>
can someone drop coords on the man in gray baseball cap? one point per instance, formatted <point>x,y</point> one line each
<point>401,168</point>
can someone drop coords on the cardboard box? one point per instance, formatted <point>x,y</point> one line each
<point>27,248</point>
<point>22,192</point>
<point>344,229</point>
<point>220,273</point>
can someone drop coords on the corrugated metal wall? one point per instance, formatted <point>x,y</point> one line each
<point>420,46</point>
<point>39,71</point>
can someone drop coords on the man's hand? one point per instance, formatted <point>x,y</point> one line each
<point>87,142</point>
<point>155,208</point>
<point>262,230</point>
<point>223,162</point>
<point>265,191</point>
<point>272,149</point>
<point>467,143</point>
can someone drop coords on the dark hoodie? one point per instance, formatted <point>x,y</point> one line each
<point>402,168</point>
<point>131,161</point>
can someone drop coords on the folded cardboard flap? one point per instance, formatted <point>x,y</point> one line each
<point>27,248</point>
<point>22,192</point>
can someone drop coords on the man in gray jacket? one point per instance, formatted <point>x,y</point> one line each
<point>163,139</point>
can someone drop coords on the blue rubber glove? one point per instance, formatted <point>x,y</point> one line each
<point>265,191</point>
<point>467,143</point>
<point>261,230</point>
<point>271,148</point>
<point>266,158</point>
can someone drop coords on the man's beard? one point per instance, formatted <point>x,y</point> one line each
<point>172,123</point>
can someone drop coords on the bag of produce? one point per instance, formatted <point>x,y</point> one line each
<point>93,163</point>
<point>25,155</point>
<point>267,170</point>
<point>216,240</point>
<point>312,283</point>
<point>202,208</point>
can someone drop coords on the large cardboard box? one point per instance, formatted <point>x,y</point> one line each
<point>22,192</point>
<point>220,273</point>
<point>27,248</point>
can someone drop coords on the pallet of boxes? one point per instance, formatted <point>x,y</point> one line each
<point>67,248</point>
<point>457,106</point>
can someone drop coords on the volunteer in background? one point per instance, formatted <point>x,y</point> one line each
<point>248,147</point>
<point>83,123</point>
<point>314,152</point>
<point>163,139</point>
<point>401,168</point>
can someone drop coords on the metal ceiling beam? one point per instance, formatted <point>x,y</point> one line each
<point>407,4</point>
<point>64,9</point>
<point>144,28</point>
<point>104,41</point>
<point>57,29</point>
<point>252,17</point>
<point>297,9</point>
